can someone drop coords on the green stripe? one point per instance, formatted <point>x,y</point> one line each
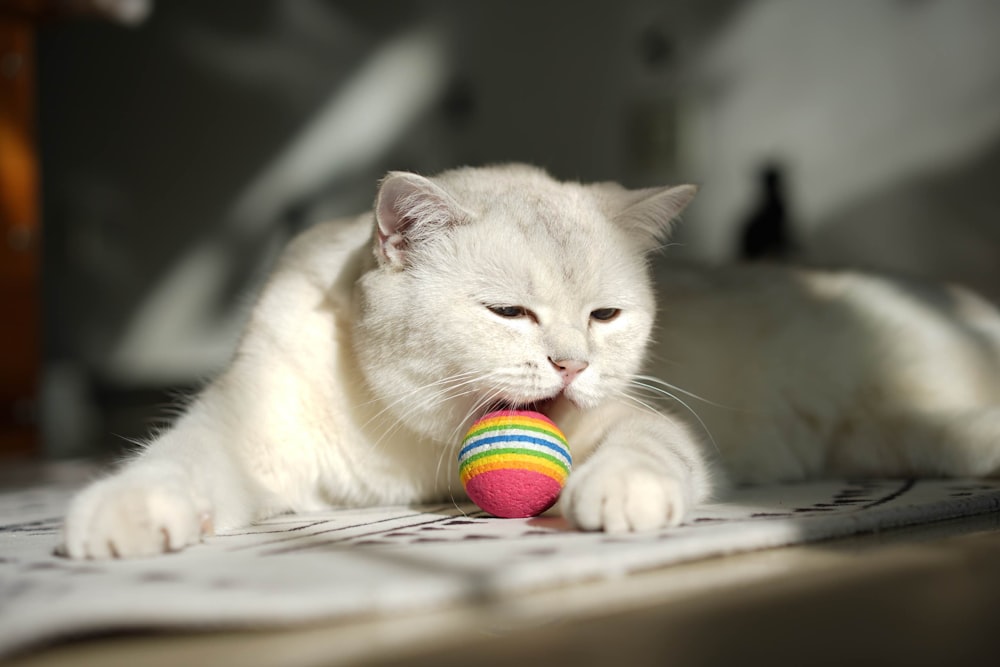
<point>514,450</point>
<point>508,427</point>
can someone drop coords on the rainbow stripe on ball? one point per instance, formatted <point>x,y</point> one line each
<point>514,463</point>
<point>515,439</point>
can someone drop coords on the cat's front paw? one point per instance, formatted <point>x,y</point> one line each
<point>131,515</point>
<point>620,497</point>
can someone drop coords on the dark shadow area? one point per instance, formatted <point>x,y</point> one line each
<point>768,232</point>
<point>180,154</point>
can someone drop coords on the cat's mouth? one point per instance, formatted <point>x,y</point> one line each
<point>544,406</point>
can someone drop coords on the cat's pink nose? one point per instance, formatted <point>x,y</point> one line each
<point>568,368</point>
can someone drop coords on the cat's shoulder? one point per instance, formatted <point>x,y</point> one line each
<point>321,249</point>
<point>318,267</point>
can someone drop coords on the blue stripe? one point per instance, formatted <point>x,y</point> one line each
<point>515,438</point>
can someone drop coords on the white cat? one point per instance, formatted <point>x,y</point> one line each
<point>377,342</point>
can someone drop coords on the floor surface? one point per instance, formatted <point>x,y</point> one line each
<point>926,595</point>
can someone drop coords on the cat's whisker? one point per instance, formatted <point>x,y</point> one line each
<point>477,407</point>
<point>455,380</point>
<point>672,387</point>
<point>651,409</point>
<point>454,442</point>
<point>664,392</point>
<point>441,381</point>
<point>444,385</point>
<point>444,391</point>
<point>659,249</point>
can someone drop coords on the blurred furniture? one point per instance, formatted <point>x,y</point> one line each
<point>20,330</point>
<point>20,215</point>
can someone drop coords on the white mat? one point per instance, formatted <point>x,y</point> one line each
<point>343,563</point>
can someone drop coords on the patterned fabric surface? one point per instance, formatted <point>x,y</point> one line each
<point>340,564</point>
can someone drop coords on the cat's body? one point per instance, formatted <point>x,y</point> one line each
<point>807,373</point>
<point>377,342</point>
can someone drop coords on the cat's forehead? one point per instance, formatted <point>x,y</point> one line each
<point>520,194</point>
<point>561,215</point>
<point>547,221</point>
<point>532,235</point>
<point>549,248</point>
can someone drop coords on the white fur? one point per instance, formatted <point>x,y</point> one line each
<point>373,347</point>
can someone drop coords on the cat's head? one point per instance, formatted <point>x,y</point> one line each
<point>502,287</point>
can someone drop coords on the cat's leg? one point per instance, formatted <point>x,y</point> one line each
<point>950,443</point>
<point>253,444</point>
<point>182,485</point>
<point>645,471</point>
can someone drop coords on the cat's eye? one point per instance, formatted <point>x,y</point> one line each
<point>509,312</point>
<point>605,314</point>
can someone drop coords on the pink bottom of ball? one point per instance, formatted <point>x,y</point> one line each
<point>513,494</point>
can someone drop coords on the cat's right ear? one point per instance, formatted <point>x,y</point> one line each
<point>409,209</point>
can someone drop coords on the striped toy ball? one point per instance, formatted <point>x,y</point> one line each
<point>514,463</point>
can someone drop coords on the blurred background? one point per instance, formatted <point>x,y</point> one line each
<point>156,155</point>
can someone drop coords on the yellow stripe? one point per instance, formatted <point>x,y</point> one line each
<point>513,461</point>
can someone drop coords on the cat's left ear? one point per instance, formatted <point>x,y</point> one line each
<point>650,212</point>
<point>410,209</point>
